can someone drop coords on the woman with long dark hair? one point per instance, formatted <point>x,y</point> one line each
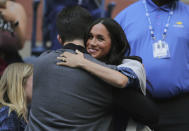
<point>106,41</point>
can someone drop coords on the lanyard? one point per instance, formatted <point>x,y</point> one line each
<point>150,23</point>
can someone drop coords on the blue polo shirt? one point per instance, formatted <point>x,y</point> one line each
<point>169,77</point>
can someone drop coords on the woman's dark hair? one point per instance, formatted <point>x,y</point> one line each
<point>119,44</point>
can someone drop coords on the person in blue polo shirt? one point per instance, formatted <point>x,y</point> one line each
<point>158,31</point>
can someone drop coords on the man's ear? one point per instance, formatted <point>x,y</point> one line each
<point>59,39</point>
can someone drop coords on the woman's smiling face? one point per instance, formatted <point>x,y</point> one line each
<point>99,41</point>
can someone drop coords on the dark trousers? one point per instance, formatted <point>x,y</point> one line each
<point>173,113</point>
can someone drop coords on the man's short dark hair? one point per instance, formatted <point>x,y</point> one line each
<point>72,22</point>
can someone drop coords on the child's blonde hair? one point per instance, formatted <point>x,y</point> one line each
<point>12,93</point>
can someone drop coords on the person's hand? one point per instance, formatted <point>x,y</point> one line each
<point>9,13</point>
<point>70,59</point>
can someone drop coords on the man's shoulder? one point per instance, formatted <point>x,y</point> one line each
<point>48,54</point>
<point>184,5</point>
<point>129,12</point>
<point>133,7</point>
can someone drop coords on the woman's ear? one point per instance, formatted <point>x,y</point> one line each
<point>59,39</point>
